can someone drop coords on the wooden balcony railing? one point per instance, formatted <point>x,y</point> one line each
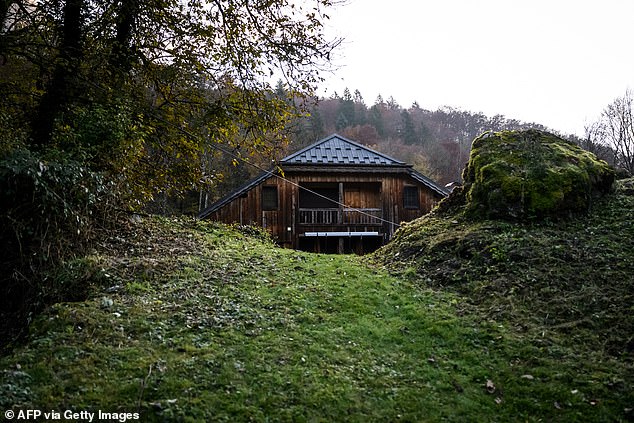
<point>340,216</point>
<point>362,216</point>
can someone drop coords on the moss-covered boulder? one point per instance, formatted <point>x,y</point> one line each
<point>530,174</point>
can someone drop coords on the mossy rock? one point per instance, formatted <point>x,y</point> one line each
<point>522,175</point>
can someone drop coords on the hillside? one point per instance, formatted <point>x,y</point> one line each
<point>563,286</point>
<point>191,321</point>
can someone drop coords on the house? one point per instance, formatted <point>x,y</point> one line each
<point>333,196</point>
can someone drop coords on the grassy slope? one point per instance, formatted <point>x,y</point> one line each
<point>193,321</point>
<point>565,288</point>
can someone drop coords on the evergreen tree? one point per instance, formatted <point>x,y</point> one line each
<point>408,133</point>
<point>346,95</point>
<point>376,119</point>
<point>316,125</point>
<point>426,135</point>
<point>346,109</point>
<point>342,122</point>
<point>360,114</point>
<point>280,89</point>
<point>392,104</point>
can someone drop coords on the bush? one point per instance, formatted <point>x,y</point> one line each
<point>49,205</point>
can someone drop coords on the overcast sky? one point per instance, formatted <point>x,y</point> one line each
<point>554,62</point>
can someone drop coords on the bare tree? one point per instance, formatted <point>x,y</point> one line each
<point>594,141</point>
<point>618,126</point>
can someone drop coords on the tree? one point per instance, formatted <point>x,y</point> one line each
<point>201,78</point>
<point>594,141</point>
<point>376,118</point>
<point>618,127</point>
<point>408,133</point>
<point>392,104</point>
<point>346,111</point>
<point>110,104</point>
<point>365,134</point>
<point>360,109</point>
<point>426,135</point>
<point>342,122</point>
<point>316,125</point>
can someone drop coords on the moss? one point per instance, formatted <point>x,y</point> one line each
<point>531,174</point>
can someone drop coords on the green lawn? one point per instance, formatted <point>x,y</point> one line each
<point>192,321</point>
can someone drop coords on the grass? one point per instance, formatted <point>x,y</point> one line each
<point>564,287</point>
<point>192,321</point>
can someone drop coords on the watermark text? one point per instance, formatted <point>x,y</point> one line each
<point>70,415</point>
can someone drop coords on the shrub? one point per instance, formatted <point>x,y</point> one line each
<point>49,205</point>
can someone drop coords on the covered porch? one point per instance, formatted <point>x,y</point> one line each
<point>340,217</point>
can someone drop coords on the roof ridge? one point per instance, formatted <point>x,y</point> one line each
<point>390,160</point>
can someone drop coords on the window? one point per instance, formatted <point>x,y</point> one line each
<point>319,195</point>
<point>410,198</point>
<point>269,198</point>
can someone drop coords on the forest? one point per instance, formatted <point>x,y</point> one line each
<point>437,143</point>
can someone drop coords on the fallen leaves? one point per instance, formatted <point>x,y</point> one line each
<point>490,386</point>
<point>491,389</point>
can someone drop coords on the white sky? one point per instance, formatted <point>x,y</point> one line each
<point>553,62</point>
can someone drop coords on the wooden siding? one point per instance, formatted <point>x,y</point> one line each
<point>380,195</point>
<point>362,195</point>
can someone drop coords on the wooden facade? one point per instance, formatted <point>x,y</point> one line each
<point>335,196</point>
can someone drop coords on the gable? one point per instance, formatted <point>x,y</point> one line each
<point>337,150</point>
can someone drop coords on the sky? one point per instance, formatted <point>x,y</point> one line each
<point>558,63</point>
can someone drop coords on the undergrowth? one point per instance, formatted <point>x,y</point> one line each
<point>51,206</point>
<point>552,276</point>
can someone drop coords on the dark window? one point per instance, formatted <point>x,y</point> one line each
<point>410,198</point>
<point>319,196</point>
<point>269,198</point>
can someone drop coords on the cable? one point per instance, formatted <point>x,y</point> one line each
<point>271,173</point>
<point>217,147</point>
<point>239,158</point>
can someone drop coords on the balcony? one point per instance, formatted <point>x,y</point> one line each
<point>337,216</point>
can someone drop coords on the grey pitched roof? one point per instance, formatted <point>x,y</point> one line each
<point>235,194</point>
<point>337,150</point>
<point>428,182</point>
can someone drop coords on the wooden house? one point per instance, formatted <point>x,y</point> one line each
<point>333,196</point>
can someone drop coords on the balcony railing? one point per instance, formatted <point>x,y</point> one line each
<point>347,216</point>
